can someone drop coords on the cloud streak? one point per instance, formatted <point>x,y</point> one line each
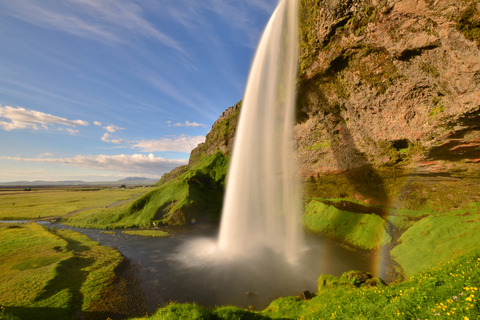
<point>181,143</point>
<point>186,124</point>
<point>104,21</point>
<point>136,163</point>
<point>20,118</point>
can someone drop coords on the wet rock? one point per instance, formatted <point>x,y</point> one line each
<point>306,295</point>
<point>358,278</point>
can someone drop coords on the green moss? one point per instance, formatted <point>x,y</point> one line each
<point>365,231</point>
<point>430,69</point>
<point>437,109</point>
<point>438,237</point>
<point>318,146</point>
<point>469,23</point>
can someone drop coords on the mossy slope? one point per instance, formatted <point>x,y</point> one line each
<point>195,194</point>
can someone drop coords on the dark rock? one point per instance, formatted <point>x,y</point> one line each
<point>306,295</point>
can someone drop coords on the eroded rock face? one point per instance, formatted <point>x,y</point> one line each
<point>388,83</point>
<point>388,97</point>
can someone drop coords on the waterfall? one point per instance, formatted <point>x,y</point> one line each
<point>262,205</point>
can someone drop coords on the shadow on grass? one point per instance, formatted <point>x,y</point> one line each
<point>69,276</point>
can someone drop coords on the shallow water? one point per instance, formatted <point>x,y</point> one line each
<point>171,268</point>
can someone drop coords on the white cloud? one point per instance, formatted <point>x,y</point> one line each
<point>45,154</point>
<point>136,163</point>
<point>72,131</point>
<point>106,138</point>
<point>187,124</point>
<point>97,123</point>
<point>20,118</point>
<point>181,143</point>
<point>112,128</point>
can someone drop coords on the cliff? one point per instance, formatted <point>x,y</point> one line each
<point>384,82</point>
<point>388,124</point>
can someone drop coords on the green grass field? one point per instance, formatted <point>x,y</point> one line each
<point>147,233</point>
<point>51,274</point>
<point>58,202</point>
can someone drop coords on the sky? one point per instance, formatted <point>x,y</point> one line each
<point>100,90</point>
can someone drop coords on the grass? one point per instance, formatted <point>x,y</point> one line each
<point>195,194</point>
<point>100,218</point>
<point>450,290</point>
<point>53,203</point>
<point>51,274</point>
<point>438,237</point>
<point>147,233</point>
<point>364,231</point>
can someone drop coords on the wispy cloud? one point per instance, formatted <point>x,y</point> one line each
<point>45,154</point>
<point>97,123</point>
<point>20,118</point>
<point>136,163</point>
<point>111,128</point>
<point>72,131</point>
<point>108,138</point>
<point>108,21</point>
<point>186,124</point>
<point>181,143</point>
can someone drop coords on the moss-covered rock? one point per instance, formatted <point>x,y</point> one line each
<point>353,278</point>
<point>361,230</point>
<point>194,195</point>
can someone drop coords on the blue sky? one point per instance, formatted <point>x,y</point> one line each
<point>100,90</point>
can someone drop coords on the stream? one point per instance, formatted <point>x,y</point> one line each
<point>168,272</point>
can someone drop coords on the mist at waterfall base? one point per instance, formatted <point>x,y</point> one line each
<point>260,250</point>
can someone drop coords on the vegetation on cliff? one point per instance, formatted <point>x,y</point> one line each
<point>194,195</point>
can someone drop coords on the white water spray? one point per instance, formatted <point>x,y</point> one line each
<point>262,207</point>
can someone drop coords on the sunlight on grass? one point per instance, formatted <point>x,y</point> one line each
<point>147,233</point>
<point>53,203</point>
<point>365,231</point>
<point>56,271</point>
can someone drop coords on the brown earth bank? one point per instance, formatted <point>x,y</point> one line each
<point>122,299</point>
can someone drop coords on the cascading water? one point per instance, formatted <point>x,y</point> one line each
<point>262,202</point>
<point>259,249</point>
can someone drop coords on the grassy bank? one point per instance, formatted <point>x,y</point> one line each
<point>450,290</point>
<point>438,236</point>
<point>147,233</point>
<point>364,231</point>
<point>52,274</point>
<point>57,202</point>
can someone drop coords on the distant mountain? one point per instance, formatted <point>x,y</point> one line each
<point>126,181</point>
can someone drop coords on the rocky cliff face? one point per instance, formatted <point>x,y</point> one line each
<point>388,109</point>
<point>387,81</point>
<point>220,138</point>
